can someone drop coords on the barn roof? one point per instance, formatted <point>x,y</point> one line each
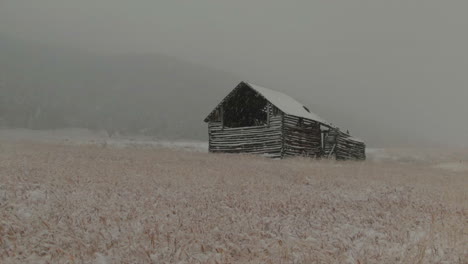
<point>283,102</point>
<point>286,103</point>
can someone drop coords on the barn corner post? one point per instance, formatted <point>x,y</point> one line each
<point>282,135</point>
<point>322,142</point>
<point>209,138</point>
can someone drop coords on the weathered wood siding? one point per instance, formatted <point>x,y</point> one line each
<point>329,142</point>
<point>348,148</point>
<point>344,147</point>
<point>265,139</point>
<point>301,137</point>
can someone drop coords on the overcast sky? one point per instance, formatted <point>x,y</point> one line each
<point>399,65</point>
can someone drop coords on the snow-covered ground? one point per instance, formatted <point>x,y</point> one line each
<point>86,137</point>
<point>449,159</point>
<point>70,198</point>
<point>458,166</point>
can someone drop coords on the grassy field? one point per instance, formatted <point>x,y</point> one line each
<point>64,203</point>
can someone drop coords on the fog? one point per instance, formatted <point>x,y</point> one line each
<point>394,73</point>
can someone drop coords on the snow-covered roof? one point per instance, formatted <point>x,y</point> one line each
<point>356,139</point>
<point>283,102</point>
<point>286,103</point>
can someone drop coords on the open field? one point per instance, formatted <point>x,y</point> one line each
<point>72,203</point>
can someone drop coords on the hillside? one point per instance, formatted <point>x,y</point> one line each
<point>44,87</point>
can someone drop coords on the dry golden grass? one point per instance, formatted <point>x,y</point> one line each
<point>95,204</point>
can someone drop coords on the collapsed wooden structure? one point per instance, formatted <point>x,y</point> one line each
<point>343,146</point>
<point>253,119</point>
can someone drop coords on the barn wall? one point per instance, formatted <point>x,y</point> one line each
<point>344,146</point>
<point>255,140</point>
<point>301,138</point>
<point>348,148</point>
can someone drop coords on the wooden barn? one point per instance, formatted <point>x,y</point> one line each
<point>257,120</point>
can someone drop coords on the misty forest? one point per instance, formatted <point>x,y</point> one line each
<point>45,88</point>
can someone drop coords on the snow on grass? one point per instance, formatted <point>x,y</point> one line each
<point>78,136</point>
<point>416,155</point>
<point>459,166</point>
<point>62,203</point>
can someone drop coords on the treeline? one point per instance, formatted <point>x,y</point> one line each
<point>44,87</point>
<point>120,111</point>
<point>53,109</point>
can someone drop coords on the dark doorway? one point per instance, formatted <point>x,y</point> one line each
<point>245,108</point>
